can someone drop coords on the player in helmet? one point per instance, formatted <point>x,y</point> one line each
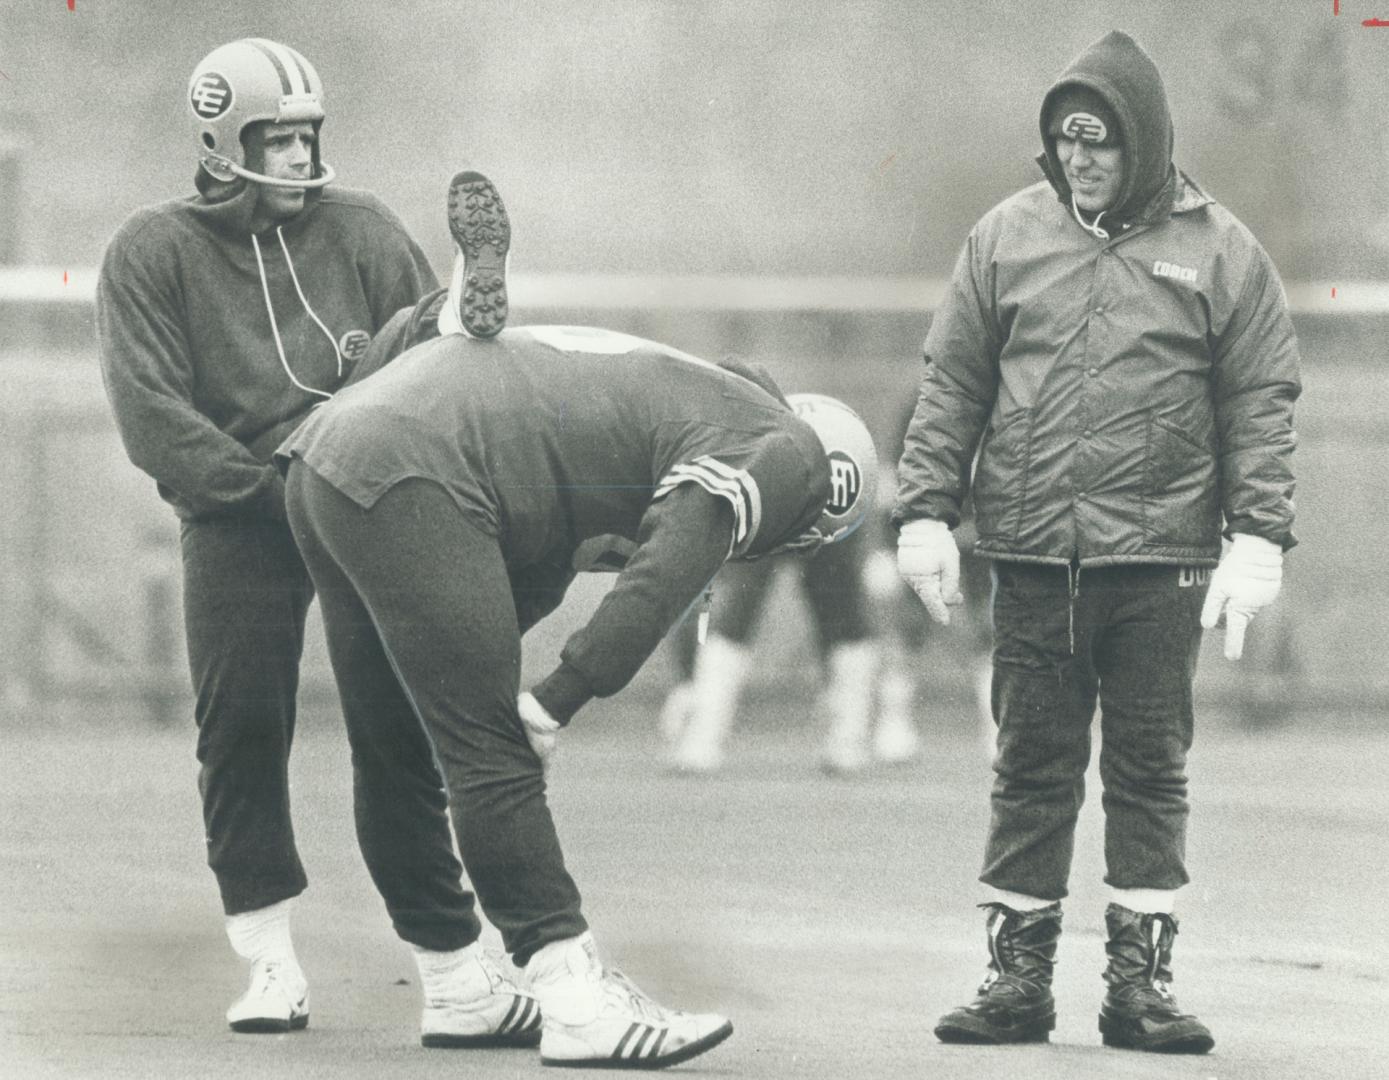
<point>224,317</point>
<point>445,504</point>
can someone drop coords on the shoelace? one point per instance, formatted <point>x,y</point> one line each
<point>628,994</point>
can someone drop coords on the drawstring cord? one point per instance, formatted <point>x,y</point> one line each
<point>1072,591</point>
<point>1094,230</point>
<point>274,325</point>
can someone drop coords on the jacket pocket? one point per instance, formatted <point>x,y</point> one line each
<point>1181,498</point>
<point>1000,477</point>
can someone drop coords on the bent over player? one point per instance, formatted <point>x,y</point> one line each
<point>224,317</point>
<point>1115,348</point>
<point>443,507</point>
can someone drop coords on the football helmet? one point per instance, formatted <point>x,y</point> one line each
<point>853,468</point>
<point>247,82</point>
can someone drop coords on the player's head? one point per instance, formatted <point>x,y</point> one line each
<point>254,101</point>
<point>853,469</point>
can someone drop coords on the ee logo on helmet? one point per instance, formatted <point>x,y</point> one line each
<point>846,481</point>
<point>210,95</point>
<point>1085,127</point>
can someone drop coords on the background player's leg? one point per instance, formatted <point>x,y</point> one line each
<point>699,713</point>
<point>849,648</point>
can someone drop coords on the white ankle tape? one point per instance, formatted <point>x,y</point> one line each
<point>1146,901</point>
<point>1018,901</point>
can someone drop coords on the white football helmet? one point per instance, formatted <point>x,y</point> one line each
<point>246,82</point>
<point>853,468</point>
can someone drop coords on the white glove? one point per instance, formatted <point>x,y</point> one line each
<point>1245,582</point>
<point>539,725</point>
<point>929,562</point>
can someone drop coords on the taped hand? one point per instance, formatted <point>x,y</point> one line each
<point>1246,581</point>
<point>540,727</point>
<point>929,562</point>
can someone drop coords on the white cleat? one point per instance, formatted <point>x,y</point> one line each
<point>477,1004</point>
<point>842,757</point>
<point>599,1019</point>
<point>896,740</point>
<point>277,1000</point>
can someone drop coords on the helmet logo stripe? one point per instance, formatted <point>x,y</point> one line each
<point>290,61</point>
<point>269,54</point>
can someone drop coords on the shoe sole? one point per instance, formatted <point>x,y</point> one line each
<point>482,231</point>
<point>1115,1033</point>
<point>987,1035</point>
<point>267,1025</point>
<point>438,1041</point>
<point>675,1057</point>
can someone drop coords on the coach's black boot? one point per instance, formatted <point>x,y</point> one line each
<point>1015,1004</point>
<point>1139,1011</point>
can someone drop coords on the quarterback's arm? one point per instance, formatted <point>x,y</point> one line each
<point>957,394</point>
<point>148,376</point>
<point>683,540</point>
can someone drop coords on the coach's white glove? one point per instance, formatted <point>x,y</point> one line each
<point>540,727</point>
<point>1245,582</point>
<point>929,562</point>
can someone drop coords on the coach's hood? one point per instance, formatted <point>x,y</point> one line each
<point>1116,68</point>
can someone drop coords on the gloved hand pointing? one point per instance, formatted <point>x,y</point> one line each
<point>1246,581</point>
<point>540,727</point>
<point>929,562</point>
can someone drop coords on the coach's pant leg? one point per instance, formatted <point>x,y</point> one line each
<point>245,597</point>
<point>1043,703</point>
<point>399,801</point>
<point>439,595</point>
<point>1147,664</point>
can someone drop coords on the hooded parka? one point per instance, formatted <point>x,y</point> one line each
<point>1116,395</point>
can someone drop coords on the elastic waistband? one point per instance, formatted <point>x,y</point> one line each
<point>1064,579</point>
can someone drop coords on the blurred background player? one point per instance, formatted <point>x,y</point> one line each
<point>224,318</point>
<point>871,637</point>
<point>1112,374</point>
<point>699,712</point>
<point>445,505</point>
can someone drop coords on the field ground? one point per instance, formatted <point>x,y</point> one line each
<point>832,920</point>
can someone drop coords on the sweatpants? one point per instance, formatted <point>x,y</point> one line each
<point>245,597</point>
<point>423,638</point>
<point>1129,636</point>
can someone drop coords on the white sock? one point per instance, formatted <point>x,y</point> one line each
<point>449,323</point>
<point>449,970</point>
<point>564,976</point>
<point>1018,901</point>
<point>1146,901</point>
<point>263,934</point>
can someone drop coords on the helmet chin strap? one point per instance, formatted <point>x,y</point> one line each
<point>329,175</point>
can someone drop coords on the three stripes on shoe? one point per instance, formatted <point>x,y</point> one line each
<point>642,1046</point>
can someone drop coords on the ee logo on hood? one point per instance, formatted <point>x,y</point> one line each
<point>1084,126</point>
